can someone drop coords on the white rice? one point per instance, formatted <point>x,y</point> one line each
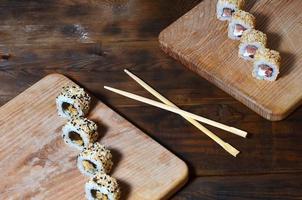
<point>252,38</point>
<point>242,18</point>
<point>72,101</point>
<point>231,4</point>
<point>242,51</point>
<point>268,57</point>
<point>99,158</point>
<point>104,184</point>
<point>260,74</point>
<point>79,132</point>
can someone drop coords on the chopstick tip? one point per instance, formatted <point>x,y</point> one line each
<point>238,132</point>
<point>229,148</point>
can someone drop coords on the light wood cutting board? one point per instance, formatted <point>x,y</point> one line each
<point>200,42</point>
<point>36,164</point>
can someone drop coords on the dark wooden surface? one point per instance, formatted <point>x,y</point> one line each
<point>92,41</point>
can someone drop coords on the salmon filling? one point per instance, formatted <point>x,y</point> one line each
<point>238,30</point>
<point>265,70</point>
<point>227,12</point>
<point>98,195</point>
<point>250,51</point>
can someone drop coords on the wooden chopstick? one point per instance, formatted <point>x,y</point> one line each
<point>230,149</point>
<point>178,111</point>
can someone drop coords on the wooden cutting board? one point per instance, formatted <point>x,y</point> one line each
<point>200,42</point>
<point>36,164</point>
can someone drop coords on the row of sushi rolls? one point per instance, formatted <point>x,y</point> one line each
<point>94,159</point>
<point>252,47</point>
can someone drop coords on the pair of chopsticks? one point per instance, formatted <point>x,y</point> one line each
<point>192,118</point>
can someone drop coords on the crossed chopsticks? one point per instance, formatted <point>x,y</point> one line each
<point>192,118</point>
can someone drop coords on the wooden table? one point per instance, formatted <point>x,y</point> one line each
<point>92,41</point>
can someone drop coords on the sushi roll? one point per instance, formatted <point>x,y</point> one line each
<point>79,132</point>
<point>266,64</point>
<point>72,101</point>
<point>240,22</point>
<point>225,8</point>
<point>102,186</point>
<point>250,42</point>
<point>93,159</point>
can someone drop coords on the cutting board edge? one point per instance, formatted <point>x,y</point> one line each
<point>183,171</point>
<point>29,88</point>
<point>182,179</point>
<point>259,109</point>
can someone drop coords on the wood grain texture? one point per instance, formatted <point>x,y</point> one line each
<point>200,42</point>
<point>37,164</point>
<point>128,38</point>
<point>260,187</point>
